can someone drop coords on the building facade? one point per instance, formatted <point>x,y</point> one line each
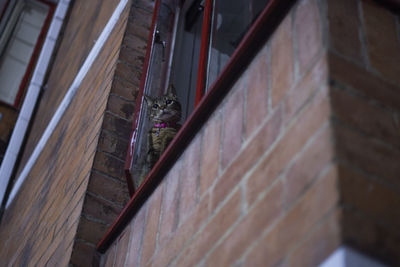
<point>289,158</point>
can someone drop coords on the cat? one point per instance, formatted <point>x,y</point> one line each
<point>165,113</point>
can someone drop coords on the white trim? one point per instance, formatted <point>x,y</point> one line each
<point>347,257</point>
<point>63,106</point>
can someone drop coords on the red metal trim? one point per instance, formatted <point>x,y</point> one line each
<point>129,153</point>
<point>256,37</point>
<point>36,52</point>
<point>203,60</point>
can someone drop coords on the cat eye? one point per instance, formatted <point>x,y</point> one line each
<point>155,106</point>
<point>168,102</point>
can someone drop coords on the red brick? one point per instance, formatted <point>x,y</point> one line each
<point>344,26</point>
<point>138,226</point>
<point>308,33</point>
<point>125,89</point>
<point>382,39</point>
<point>121,107</point>
<point>371,119</point>
<point>214,230</point>
<point>91,231</point>
<point>368,154</point>
<point>150,234</point>
<point>371,237</point>
<point>322,242</point>
<point>108,188</point>
<point>297,223</point>
<point>109,165</point>
<point>183,234</point>
<point>100,209</point>
<point>260,217</point>
<point>364,82</point>
<point>110,143</point>
<point>282,74</point>
<point>122,247</point>
<point>189,178</point>
<point>371,197</point>
<point>310,120</point>
<point>82,254</point>
<point>248,157</point>
<point>310,163</point>
<point>210,153</point>
<point>128,73</point>
<point>233,124</point>
<point>109,257</point>
<point>139,22</point>
<point>170,212</point>
<point>257,92</point>
<point>134,58</point>
<point>314,79</point>
<point>133,41</point>
<point>119,126</point>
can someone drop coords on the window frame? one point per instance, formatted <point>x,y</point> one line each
<point>252,42</point>
<point>35,53</point>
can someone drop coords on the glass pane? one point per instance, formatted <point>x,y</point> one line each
<point>156,83</point>
<point>232,20</point>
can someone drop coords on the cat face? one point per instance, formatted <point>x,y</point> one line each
<point>165,108</point>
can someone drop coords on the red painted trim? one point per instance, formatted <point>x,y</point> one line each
<point>129,153</point>
<point>203,60</point>
<point>36,51</point>
<point>256,37</point>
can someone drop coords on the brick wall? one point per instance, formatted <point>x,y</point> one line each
<point>40,226</point>
<point>365,95</point>
<point>258,184</point>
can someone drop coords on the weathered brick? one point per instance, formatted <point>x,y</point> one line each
<point>109,257</point>
<point>363,82</point>
<point>110,143</point>
<point>247,158</point>
<point>322,242</point>
<point>109,164</point>
<point>119,126</point>
<point>313,80</point>
<point>189,178</point>
<point>311,162</point>
<point>344,26</point>
<point>372,198</point>
<point>260,217</point>
<point>308,33</point>
<point>212,232</point>
<point>371,237</point>
<point>90,230</point>
<point>170,204</point>
<point>232,124</point>
<point>319,200</point>
<point>257,91</point>
<point>82,254</point>
<point>183,234</point>
<point>282,67</point>
<point>134,58</point>
<point>371,119</point>
<point>210,155</point>
<point>125,89</point>
<point>121,107</point>
<point>150,234</point>
<point>100,209</point>
<point>108,188</point>
<point>122,247</point>
<point>368,154</point>
<point>138,227</point>
<point>382,39</point>
<point>128,73</point>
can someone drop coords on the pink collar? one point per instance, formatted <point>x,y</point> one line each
<point>164,125</point>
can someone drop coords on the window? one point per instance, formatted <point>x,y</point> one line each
<point>190,45</point>
<point>21,29</point>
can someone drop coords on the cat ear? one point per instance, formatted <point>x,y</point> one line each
<point>149,100</point>
<point>171,90</point>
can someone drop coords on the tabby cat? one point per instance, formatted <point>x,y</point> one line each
<point>165,113</point>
